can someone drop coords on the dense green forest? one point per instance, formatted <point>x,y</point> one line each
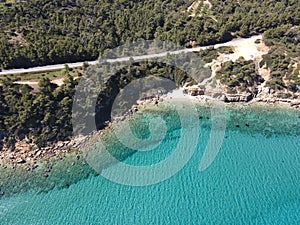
<point>40,32</point>
<point>45,117</point>
<point>240,74</point>
<point>283,57</point>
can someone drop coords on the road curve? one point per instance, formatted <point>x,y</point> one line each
<point>143,57</point>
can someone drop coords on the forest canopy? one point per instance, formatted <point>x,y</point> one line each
<point>41,32</point>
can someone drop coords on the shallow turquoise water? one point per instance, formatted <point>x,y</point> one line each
<point>255,179</point>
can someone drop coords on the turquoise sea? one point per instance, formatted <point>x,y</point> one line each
<point>254,179</point>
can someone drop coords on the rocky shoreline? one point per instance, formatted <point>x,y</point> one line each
<point>262,95</point>
<point>27,155</point>
<point>29,159</point>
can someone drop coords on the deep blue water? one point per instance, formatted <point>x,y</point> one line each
<point>255,179</point>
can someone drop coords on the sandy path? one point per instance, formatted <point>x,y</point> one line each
<point>246,48</point>
<point>35,84</point>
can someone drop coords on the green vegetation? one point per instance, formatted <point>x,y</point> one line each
<point>239,76</point>
<point>209,54</point>
<point>36,76</point>
<point>283,58</point>
<point>41,32</point>
<point>203,11</point>
<point>285,38</point>
<point>45,117</point>
<point>41,117</point>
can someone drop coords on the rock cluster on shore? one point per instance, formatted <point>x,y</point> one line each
<point>28,154</point>
<point>262,96</point>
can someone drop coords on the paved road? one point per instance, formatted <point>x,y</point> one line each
<point>143,57</point>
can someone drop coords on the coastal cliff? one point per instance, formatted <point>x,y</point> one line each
<point>262,96</point>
